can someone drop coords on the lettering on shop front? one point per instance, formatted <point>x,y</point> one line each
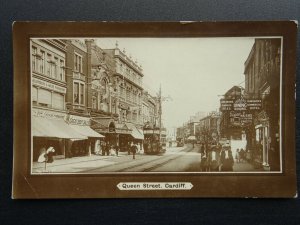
<point>48,85</point>
<point>241,104</point>
<point>78,121</point>
<point>47,114</point>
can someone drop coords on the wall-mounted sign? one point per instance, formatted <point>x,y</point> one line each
<point>254,104</point>
<point>47,85</point>
<point>226,105</point>
<point>78,120</point>
<point>240,118</point>
<point>47,114</point>
<point>240,104</point>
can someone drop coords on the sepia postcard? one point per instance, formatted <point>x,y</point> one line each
<point>154,109</point>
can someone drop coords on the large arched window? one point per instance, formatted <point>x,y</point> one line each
<point>104,85</point>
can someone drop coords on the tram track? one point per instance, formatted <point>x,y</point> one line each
<point>165,161</point>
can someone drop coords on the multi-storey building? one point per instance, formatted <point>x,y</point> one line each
<point>116,95</point>
<point>209,127</point>
<point>128,79</point>
<point>262,81</point>
<point>79,98</point>
<point>149,109</point>
<point>230,127</point>
<point>48,95</point>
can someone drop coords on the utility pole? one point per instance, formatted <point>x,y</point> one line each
<point>159,111</point>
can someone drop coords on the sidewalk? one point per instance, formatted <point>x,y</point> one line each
<point>77,164</point>
<point>243,167</point>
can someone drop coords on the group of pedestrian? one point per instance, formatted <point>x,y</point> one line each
<point>109,149</point>
<point>216,158</point>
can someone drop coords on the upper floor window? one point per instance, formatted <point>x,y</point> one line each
<point>56,67</point>
<point>94,102</point>
<point>78,63</point>
<point>62,70</point>
<point>35,59</point>
<point>42,63</point>
<point>78,93</point>
<point>49,67</point>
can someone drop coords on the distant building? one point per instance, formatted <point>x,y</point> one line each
<point>230,128</point>
<point>149,109</point>
<point>208,128</point>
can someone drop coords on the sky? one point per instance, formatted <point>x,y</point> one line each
<point>194,72</point>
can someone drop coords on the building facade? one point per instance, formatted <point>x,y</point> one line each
<point>128,80</point>
<point>48,95</point>
<point>116,95</point>
<point>262,80</point>
<point>230,126</point>
<point>79,98</point>
<point>208,128</point>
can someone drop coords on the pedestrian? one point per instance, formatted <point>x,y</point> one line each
<point>237,155</point>
<point>226,159</point>
<point>117,149</point>
<point>133,150</point>
<point>204,163</point>
<point>213,159</point>
<point>128,148</point>
<point>202,149</point>
<point>107,148</point>
<point>103,147</point>
<point>50,153</point>
<point>242,155</point>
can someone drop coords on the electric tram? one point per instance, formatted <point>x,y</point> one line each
<point>154,140</point>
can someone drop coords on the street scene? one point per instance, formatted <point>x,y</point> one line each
<point>126,105</point>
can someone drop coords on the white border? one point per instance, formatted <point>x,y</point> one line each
<point>146,173</point>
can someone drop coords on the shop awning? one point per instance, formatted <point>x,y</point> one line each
<point>55,128</point>
<point>103,125</point>
<point>86,131</point>
<point>135,133</point>
<point>121,128</point>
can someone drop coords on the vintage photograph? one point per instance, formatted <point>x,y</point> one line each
<point>156,105</point>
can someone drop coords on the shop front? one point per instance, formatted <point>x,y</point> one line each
<point>86,147</point>
<point>262,138</point>
<point>107,128</point>
<point>124,136</point>
<point>48,128</point>
<point>136,134</point>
